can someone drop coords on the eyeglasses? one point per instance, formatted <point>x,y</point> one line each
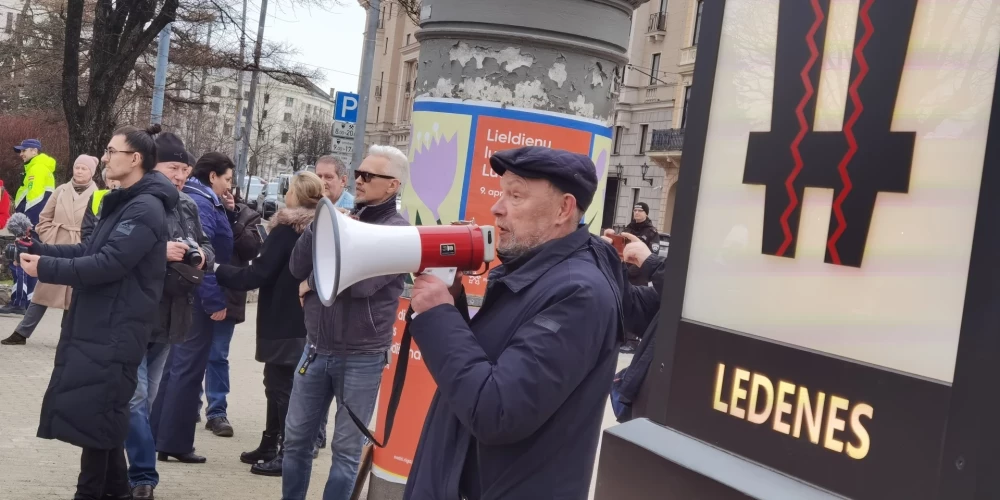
<point>367,176</point>
<point>111,151</point>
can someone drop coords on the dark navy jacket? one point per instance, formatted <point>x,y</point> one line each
<point>642,312</point>
<point>522,386</point>
<point>215,224</point>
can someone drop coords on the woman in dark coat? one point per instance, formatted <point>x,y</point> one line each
<point>281,330</point>
<point>117,279</point>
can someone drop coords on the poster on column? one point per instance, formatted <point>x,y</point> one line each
<point>393,462</point>
<point>450,150</point>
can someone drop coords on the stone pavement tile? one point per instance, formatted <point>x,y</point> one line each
<point>38,469</point>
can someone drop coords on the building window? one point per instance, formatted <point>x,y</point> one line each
<point>663,6</point>
<point>407,38</point>
<point>288,117</point>
<point>267,98</point>
<point>618,140</point>
<point>232,92</point>
<point>284,137</point>
<point>214,107</point>
<point>216,91</point>
<point>227,130</point>
<point>687,99</point>
<point>10,21</point>
<point>282,161</point>
<point>697,22</point>
<point>654,72</point>
<point>289,101</point>
<point>246,94</point>
<point>263,115</point>
<point>643,131</point>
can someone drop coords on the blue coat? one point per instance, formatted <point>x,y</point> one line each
<point>522,386</point>
<point>215,223</point>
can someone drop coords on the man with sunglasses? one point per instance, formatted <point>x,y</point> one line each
<point>347,343</point>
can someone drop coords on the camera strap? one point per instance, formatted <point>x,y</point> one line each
<point>398,379</point>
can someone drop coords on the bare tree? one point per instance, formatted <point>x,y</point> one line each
<point>307,140</point>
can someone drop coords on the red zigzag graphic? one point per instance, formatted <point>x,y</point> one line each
<point>793,200</point>
<point>852,144</point>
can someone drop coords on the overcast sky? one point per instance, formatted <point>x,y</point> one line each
<point>328,39</point>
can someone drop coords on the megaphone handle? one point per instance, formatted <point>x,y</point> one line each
<point>445,274</point>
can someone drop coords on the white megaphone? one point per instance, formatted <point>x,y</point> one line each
<point>346,251</point>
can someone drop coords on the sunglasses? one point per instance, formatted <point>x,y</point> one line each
<point>367,176</point>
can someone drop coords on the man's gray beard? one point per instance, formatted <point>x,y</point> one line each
<point>515,248</point>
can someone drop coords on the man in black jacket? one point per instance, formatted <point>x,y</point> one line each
<point>641,306</point>
<point>117,277</point>
<point>522,386</point>
<point>174,315</point>
<point>642,227</point>
<point>347,342</point>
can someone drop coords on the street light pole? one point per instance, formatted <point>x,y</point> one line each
<point>364,89</point>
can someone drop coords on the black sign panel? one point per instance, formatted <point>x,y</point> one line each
<point>853,429</point>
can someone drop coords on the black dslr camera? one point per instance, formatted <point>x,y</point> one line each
<point>12,252</point>
<point>192,257</point>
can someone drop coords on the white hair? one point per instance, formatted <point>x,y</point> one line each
<point>399,164</point>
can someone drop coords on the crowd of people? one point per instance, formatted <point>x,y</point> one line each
<point>522,384</point>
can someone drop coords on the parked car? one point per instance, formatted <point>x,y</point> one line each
<point>270,200</point>
<point>255,186</point>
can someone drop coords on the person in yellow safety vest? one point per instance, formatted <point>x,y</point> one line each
<point>94,214</point>
<point>36,188</point>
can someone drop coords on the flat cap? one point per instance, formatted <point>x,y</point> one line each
<point>572,173</point>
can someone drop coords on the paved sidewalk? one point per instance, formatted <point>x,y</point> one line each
<point>38,469</point>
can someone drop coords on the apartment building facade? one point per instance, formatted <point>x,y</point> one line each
<point>10,15</point>
<point>204,115</point>
<point>651,112</point>
<point>394,75</point>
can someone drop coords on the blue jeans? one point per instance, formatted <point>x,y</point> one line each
<point>217,372</point>
<point>312,394</point>
<point>139,444</point>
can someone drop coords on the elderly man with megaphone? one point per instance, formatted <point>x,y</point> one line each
<point>522,385</point>
<point>347,343</point>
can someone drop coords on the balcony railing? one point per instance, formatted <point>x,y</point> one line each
<point>667,140</point>
<point>657,22</point>
<point>688,55</point>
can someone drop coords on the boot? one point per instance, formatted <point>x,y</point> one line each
<point>266,452</point>
<point>273,466</point>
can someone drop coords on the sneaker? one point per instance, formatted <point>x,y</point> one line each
<point>12,309</point>
<point>220,426</point>
<point>14,339</point>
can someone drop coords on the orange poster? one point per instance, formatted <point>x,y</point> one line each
<point>498,134</point>
<point>393,462</point>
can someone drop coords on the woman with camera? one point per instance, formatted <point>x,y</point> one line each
<point>281,330</point>
<point>117,277</point>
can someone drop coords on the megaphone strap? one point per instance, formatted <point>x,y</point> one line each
<point>397,385</point>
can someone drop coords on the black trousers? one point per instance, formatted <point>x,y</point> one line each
<point>103,473</point>
<point>278,381</point>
